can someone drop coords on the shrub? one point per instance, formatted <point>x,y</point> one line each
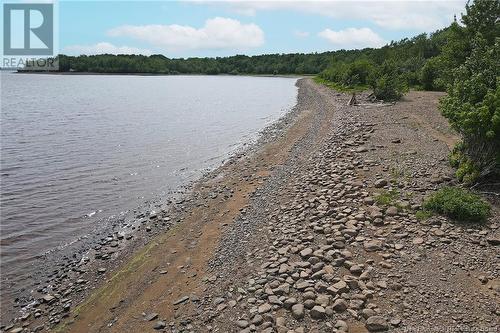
<point>431,75</point>
<point>349,75</point>
<point>458,204</point>
<point>387,88</point>
<point>387,83</point>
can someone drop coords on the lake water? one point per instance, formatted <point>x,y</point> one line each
<point>76,149</point>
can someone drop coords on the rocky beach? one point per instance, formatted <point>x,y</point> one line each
<point>312,229</point>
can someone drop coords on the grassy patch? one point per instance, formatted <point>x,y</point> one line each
<point>458,204</point>
<point>423,215</point>
<point>339,87</point>
<point>387,198</point>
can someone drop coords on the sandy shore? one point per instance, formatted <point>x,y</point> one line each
<point>288,237</point>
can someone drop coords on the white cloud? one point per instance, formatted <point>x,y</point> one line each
<point>353,38</point>
<point>104,48</point>
<point>217,33</point>
<point>420,15</point>
<point>301,34</point>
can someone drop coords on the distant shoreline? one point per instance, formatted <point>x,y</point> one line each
<point>162,74</point>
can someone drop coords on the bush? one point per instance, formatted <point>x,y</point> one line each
<point>387,88</point>
<point>458,204</point>
<point>387,83</point>
<point>349,75</point>
<point>430,75</point>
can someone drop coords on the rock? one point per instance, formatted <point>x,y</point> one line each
<point>483,279</point>
<point>391,211</point>
<point>151,316</point>
<point>380,183</point>
<point>266,307</point>
<point>439,232</point>
<point>339,305</point>
<point>376,324</point>
<point>356,269</point>
<point>367,313</point>
<point>49,299</point>
<point>298,311</point>
<point>373,245</point>
<point>369,200</point>
<point>302,285</point>
<point>16,330</point>
<point>280,322</point>
<point>309,303</point>
<point>323,300</point>
<point>306,252</point>
<point>25,316</point>
<point>341,286</point>
<point>342,326</point>
<point>395,321</point>
<point>309,295</point>
<point>160,325</point>
<point>181,300</point>
<point>283,269</point>
<point>418,241</point>
<point>242,323</point>
<point>289,302</point>
<point>318,312</point>
<point>257,320</point>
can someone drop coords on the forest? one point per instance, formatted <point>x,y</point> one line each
<point>462,59</point>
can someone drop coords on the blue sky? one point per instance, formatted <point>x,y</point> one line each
<point>204,28</point>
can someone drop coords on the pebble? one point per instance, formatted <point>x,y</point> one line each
<point>339,305</point>
<point>298,311</point>
<point>418,241</point>
<point>317,312</point>
<point>242,323</point>
<point>266,307</point>
<point>159,325</point>
<point>376,324</point>
<point>151,316</point>
<point>181,300</point>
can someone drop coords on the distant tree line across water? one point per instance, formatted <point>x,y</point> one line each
<point>297,63</point>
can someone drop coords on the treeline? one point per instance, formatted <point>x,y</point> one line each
<point>394,68</point>
<point>297,63</point>
<point>347,67</point>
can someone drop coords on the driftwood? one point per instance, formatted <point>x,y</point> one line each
<point>372,98</point>
<point>353,101</point>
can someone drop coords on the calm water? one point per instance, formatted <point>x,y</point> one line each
<point>78,149</point>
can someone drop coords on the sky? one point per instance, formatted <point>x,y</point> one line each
<point>207,29</point>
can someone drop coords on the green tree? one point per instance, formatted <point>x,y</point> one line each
<point>473,101</point>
